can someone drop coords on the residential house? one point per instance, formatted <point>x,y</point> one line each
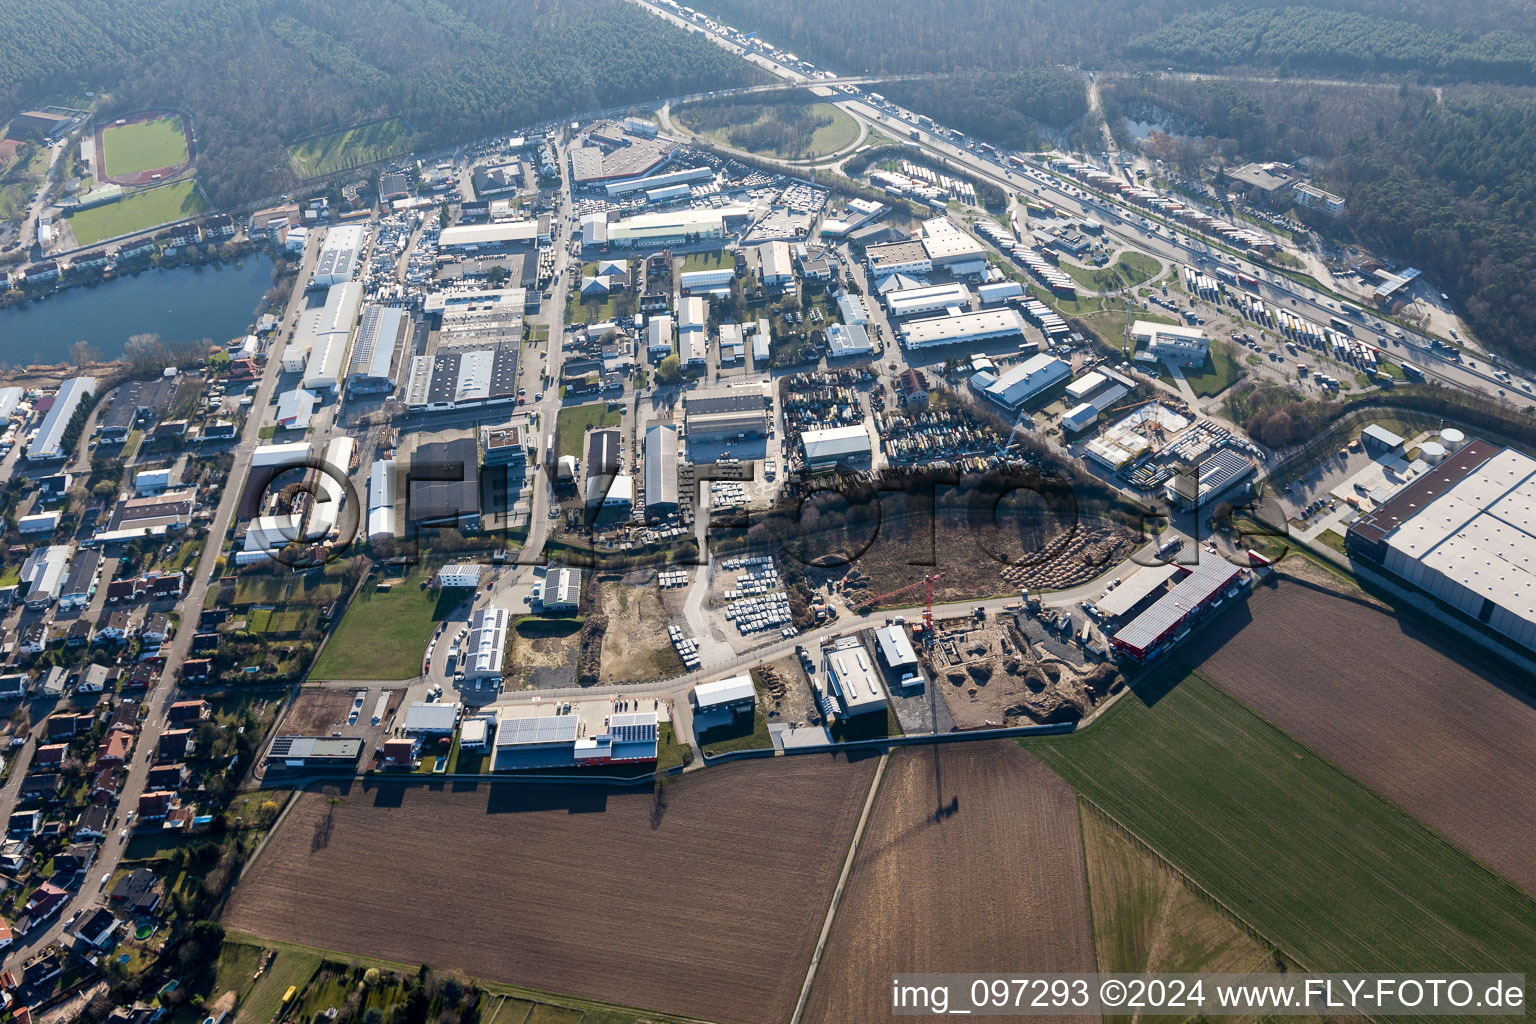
<point>13,685</point>
<point>94,679</point>
<point>184,711</point>
<point>156,805</point>
<point>79,633</point>
<point>140,676</point>
<point>33,639</point>
<point>50,758</point>
<point>196,670</point>
<point>168,587</point>
<point>157,630</point>
<point>114,627</point>
<point>114,750</point>
<point>125,716</point>
<point>104,789</point>
<point>23,823</point>
<point>14,854</point>
<point>40,788</point>
<point>45,902</point>
<point>97,928</point>
<point>174,745</point>
<point>60,724</point>
<point>126,590</point>
<point>92,823</point>
<point>166,776</point>
<point>136,892</point>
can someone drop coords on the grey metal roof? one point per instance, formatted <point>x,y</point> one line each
<point>1135,589</point>
<point>1149,628</point>
<point>661,465</point>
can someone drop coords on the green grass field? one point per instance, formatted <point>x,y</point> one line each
<point>1131,269</point>
<point>351,147</point>
<point>144,146</point>
<point>1337,877</point>
<point>138,212</point>
<point>384,634</point>
<point>1221,370</point>
<point>572,424</point>
<point>783,130</point>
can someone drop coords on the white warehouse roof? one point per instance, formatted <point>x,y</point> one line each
<point>950,330</point>
<point>724,691</point>
<point>50,435</point>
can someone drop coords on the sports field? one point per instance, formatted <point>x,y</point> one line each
<point>350,147</point>
<point>1333,874</point>
<point>138,212</point>
<point>144,146</point>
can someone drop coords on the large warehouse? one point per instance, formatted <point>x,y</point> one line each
<point>1204,485</point>
<point>674,227</point>
<point>324,333</point>
<point>1023,382</point>
<point>929,299</point>
<point>837,446</point>
<point>1208,585</point>
<point>49,443</point>
<point>726,414</point>
<point>1463,533</point>
<point>547,740</point>
<point>966,327</point>
<point>503,237</point>
<point>853,678</point>
<point>660,472</point>
<point>379,336</point>
<point>340,254</point>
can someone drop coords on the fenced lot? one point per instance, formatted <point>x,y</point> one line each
<point>704,902</point>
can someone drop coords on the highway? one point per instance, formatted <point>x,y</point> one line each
<point>1188,249</point>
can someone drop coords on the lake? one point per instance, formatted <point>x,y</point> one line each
<point>216,301</point>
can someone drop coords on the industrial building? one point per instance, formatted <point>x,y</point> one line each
<point>896,648</point>
<point>949,247</point>
<point>486,645</point>
<point>381,500</point>
<point>490,239</point>
<point>904,257</point>
<point>777,266</point>
<point>687,177</point>
<point>658,337</point>
<point>605,481</point>
<point>531,738</point>
<point>42,575</point>
<point>562,590</point>
<point>905,302</point>
<point>442,474</point>
<point>727,414</point>
<point>714,280</point>
<point>999,291</point>
<point>671,227</point>
<point>340,255</point>
<point>967,327</point>
<point>323,335</point>
<point>49,443</point>
<point>837,446</point>
<point>852,678</point>
<point>503,446</point>
<point>846,340</point>
<point>314,753</point>
<point>381,333</point>
<point>735,695</point>
<point>852,309</point>
<point>1463,533</point>
<point>1209,584</point>
<point>1021,383</point>
<point>465,575</point>
<point>661,472</point>
<point>1170,342</point>
<point>1205,485</point>
<point>295,409</point>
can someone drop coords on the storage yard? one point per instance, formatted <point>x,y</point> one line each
<point>971,861</point>
<point>1385,702</point>
<point>704,901</point>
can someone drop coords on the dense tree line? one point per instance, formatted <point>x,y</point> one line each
<point>1445,184</point>
<point>1007,109</point>
<point>258,74</point>
<point>1312,39</point>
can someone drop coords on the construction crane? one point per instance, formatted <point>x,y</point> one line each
<point>926,581</point>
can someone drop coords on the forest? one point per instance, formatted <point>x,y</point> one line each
<point>258,74</point>
<point>1446,184</point>
<point>1007,109</point>
<point>1297,39</point>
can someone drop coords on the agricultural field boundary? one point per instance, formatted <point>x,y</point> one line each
<point>885,743</point>
<point>842,883</point>
<point>1141,844</point>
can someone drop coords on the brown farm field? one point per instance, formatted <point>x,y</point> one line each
<point>972,861</point>
<point>707,904</point>
<point>1390,705</point>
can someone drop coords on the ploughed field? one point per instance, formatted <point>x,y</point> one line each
<point>707,903</point>
<point>1381,699</point>
<point>972,860</point>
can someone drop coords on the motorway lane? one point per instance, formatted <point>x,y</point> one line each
<point>159,698</point>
